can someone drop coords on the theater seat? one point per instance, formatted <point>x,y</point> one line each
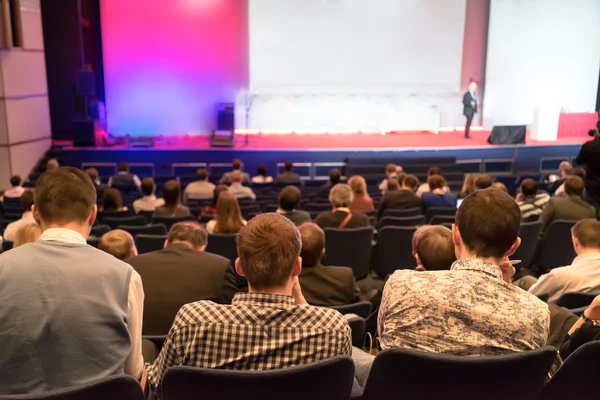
<point>156,229</point>
<point>349,248</point>
<point>148,243</point>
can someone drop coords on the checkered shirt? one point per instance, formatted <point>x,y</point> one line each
<point>255,332</point>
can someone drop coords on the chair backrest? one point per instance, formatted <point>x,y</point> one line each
<point>393,250</point>
<point>433,211</point>
<point>556,249</point>
<point>416,220</point>
<point>148,243</point>
<point>349,248</point>
<point>442,219</point>
<point>362,308</point>
<point>114,214</point>
<point>7,245</point>
<point>155,229</point>
<point>358,330</point>
<point>135,220</point>
<point>329,379</point>
<point>93,242</point>
<point>411,212</point>
<point>577,378</point>
<point>99,230</point>
<point>224,244</point>
<point>318,207</point>
<point>420,375</point>
<point>118,387</point>
<point>575,300</point>
<point>529,232</point>
<point>532,218</point>
<point>170,221</point>
<point>147,214</point>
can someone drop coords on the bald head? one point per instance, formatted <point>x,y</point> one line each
<point>313,243</point>
<point>119,244</point>
<point>236,176</point>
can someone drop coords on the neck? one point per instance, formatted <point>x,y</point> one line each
<point>465,253</point>
<point>438,191</point>
<point>281,291</point>
<point>406,188</point>
<point>84,230</point>
<point>188,244</point>
<point>583,250</point>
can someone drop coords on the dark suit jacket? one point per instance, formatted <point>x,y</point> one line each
<point>178,275</point>
<point>226,178</point>
<point>334,219</point>
<point>570,208</point>
<point>468,109</point>
<point>398,200</point>
<point>328,286</point>
<point>589,155</point>
<point>298,217</point>
<point>287,177</point>
<point>553,186</point>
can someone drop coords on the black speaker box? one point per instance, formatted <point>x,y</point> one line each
<point>83,133</point>
<point>508,134</point>
<point>225,117</point>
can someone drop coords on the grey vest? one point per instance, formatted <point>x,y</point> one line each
<point>123,182</point>
<point>63,316</point>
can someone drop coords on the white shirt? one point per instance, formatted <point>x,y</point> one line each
<point>13,192</point>
<point>147,203</point>
<point>134,365</point>
<point>239,191</point>
<point>383,184</point>
<point>136,179</point>
<point>13,227</point>
<point>262,179</point>
<point>199,190</point>
<point>583,275</point>
<point>424,188</point>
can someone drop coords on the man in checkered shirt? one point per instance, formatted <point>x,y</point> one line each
<point>269,327</point>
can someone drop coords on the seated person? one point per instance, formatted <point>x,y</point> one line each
<point>433,249</point>
<point>149,202</point>
<point>27,234</point>
<point>119,244</point>
<point>340,198</point>
<point>557,188</point>
<point>237,189</point>
<point>124,178</point>
<point>530,201</point>
<point>236,165</point>
<point>323,286</point>
<point>390,173</point>
<point>288,176</point>
<point>483,181</point>
<point>261,175</point>
<point>438,196</point>
<point>468,186</point>
<point>289,198</point>
<point>335,177</point>
<point>26,219</point>
<point>95,177</point>
<point>404,199</point>
<point>52,164</point>
<point>572,207</point>
<point>361,201</point>
<point>425,186</point>
<point>228,217</point>
<point>270,327</point>
<point>583,275</point>
<point>586,329</point>
<point>500,186</point>
<point>201,189</point>
<point>173,207</point>
<point>16,189</point>
<point>211,210</point>
<point>112,201</point>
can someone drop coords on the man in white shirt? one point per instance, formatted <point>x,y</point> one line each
<point>26,219</point>
<point>149,202</point>
<point>391,171</point>
<point>237,189</point>
<point>201,189</point>
<point>583,275</point>
<point>424,187</point>
<point>16,190</point>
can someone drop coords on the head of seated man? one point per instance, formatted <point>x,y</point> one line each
<point>341,196</point>
<point>289,197</point>
<point>433,248</point>
<point>189,233</point>
<point>236,176</point>
<point>119,244</point>
<point>574,186</point>
<point>483,181</point>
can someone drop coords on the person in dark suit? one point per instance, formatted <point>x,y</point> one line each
<point>589,156</point>
<point>341,197</point>
<point>570,208</point>
<point>100,187</point>
<point>289,197</point>
<point>403,199</point>
<point>470,107</point>
<point>323,286</point>
<point>181,273</point>
<point>287,177</point>
<point>335,177</point>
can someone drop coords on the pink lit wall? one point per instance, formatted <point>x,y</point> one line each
<point>168,63</point>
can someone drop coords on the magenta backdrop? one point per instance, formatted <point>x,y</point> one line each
<point>167,63</point>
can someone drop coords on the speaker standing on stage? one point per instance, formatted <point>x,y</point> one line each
<point>470,106</point>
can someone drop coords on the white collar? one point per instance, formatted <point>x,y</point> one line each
<point>152,197</point>
<point>344,209</point>
<point>280,211</point>
<point>63,235</point>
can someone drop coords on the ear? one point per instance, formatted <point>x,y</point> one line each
<point>419,263</point>
<point>202,248</point>
<point>514,247</point>
<point>166,244</point>
<point>238,267</point>
<point>36,215</point>
<point>456,236</point>
<point>93,215</point>
<point>576,243</point>
<point>297,267</point>
<point>134,251</point>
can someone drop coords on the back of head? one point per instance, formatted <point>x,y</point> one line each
<point>112,200</point>
<point>488,222</point>
<point>587,233</point>
<point>118,243</point>
<point>123,167</point>
<point>341,195</point>
<point>434,171</point>
<point>411,181</point>
<point>436,182</point>
<point>189,232</point>
<point>500,186</point>
<point>358,185</point>
<point>268,249</point>
<point>93,174</point>
<point>236,164</point>
<point>27,200</point>
<point>228,218</point>
<point>568,171</point>
<point>15,180</point>
<point>148,186</point>
<point>27,234</point>
<point>390,169</point>
<point>392,185</point>
<point>335,176</point>
<point>580,172</point>
<point>171,191</point>
<point>236,176</point>
<point>435,248</point>
<point>468,184</point>
<point>289,197</point>
<point>288,166</point>
<point>201,175</point>
<point>400,176</point>
<point>483,181</point>
<point>217,192</point>
<point>313,243</point>
<point>529,187</point>
<point>574,186</point>
<point>52,164</point>
<point>262,170</point>
<point>64,195</point>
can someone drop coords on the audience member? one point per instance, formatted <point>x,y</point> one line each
<point>438,196</point>
<point>181,273</point>
<point>586,329</point>
<point>262,176</point>
<point>323,286</point>
<point>211,209</point>
<point>393,184</point>
<point>173,207</point>
<point>237,189</point>
<point>124,178</point>
<point>589,156</point>
<point>361,201</point>
<point>149,202</point>
<point>571,208</point>
<point>71,313</point>
<point>236,165</point>
<point>340,198</point>
<point>52,164</point>
<point>112,201</point>
<point>270,327</point>
<point>119,244</point>
<point>26,219</point>
<point>433,248</point>
<point>568,171</point>
<point>468,186</point>
<point>27,234</point>
<point>500,186</point>
<point>565,169</point>
<point>335,177</point>
<point>95,177</point>
<point>16,189</point>
<point>228,218</point>
<point>390,173</point>
<point>288,177</point>
<point>424,188</point>
<point>483,181</point>
<point>404,199</point>
<point>530,201</point>
<point>583,275</point>
<point>201,189</point>
<point>289,198</point>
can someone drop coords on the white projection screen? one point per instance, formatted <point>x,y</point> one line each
<point>345,62</point>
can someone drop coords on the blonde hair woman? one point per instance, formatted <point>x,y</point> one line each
<point>361,202</point>
<point>27,234</point>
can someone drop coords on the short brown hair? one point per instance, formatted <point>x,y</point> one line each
<point>400,177</point>
<point>587,232</point>
<point>201,175</point>
<point>93,174</point>
<point>436,182</point>
<point>148,186</point>
<point>390,168</point>
<point>117,243</point>
<point>568,170</point>
<point>64,195</point>
<point>188,231</point>
<point>289,197</point>
<point>52,164</point>
<point>435,248</point>
<point>27,200</point>
<point>483,181</point>
<point>236,164</point>
<point>488,222</point>
<point>392,184</point>
<point>529,187</point>
<point>15,180</point>
<point>574,186</point>
<point>112,200</point>
<point>434,171</point>
<point>313,243</point>
<point>268,248</point>
<point>335,176</point>
<point>500,186</point>
<point>411,181</point>
<point>171,191</point>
